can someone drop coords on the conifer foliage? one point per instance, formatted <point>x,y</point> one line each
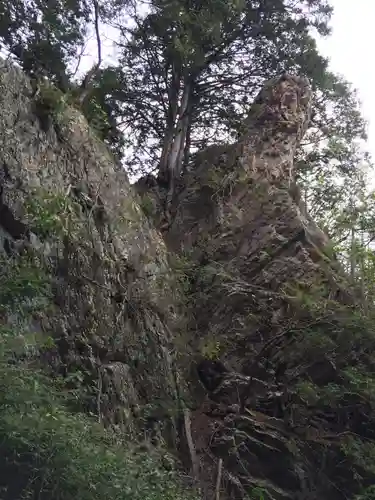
<point>184,74</point>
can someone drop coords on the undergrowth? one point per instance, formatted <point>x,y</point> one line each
<point>321,352</point>
<point>50,107</point>
<point>46,451</point>
<point>49,453</point>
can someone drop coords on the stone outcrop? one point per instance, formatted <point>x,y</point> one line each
<point>238,308</point>
<point>62,197</point>
<point>258,253</point>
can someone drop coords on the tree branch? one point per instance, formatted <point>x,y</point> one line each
<point>88,80</point>
<point>190,442</point>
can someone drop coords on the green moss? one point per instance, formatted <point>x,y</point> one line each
<point>210,348</point>
<point>52,215</point>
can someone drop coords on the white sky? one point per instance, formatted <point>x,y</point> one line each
<point>351,55</point>
<point>348,48</point>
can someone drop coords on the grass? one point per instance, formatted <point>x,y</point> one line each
<point>46,452</point>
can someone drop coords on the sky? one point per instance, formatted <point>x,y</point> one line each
<point>350,53</point>
<point>348,49</point>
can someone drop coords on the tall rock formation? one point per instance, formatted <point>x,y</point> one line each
<point>266,298</point>
<point>237,312</point>
<point>62,198</point>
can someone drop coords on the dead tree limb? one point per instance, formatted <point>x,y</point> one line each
<point>218,478</point>
<point>190,442</point>
<point>87,83</point>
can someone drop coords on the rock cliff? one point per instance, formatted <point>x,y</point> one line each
<point>261,262</point>
<point>232,331</point>
<point>62,198</point>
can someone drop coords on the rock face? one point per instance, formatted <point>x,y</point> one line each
<point>62,197</point>
<point>239,304</point>
<point>258,256</point>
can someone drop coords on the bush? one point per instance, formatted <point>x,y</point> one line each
<point>48,453</point>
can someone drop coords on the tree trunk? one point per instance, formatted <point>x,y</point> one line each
<point>187,147</point>
<point>175,140</point>
<point>353,259</point>
<point>163,174</point>
<point>173,109</point>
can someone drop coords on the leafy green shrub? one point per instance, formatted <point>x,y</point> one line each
<point>210,348</point>
<point>48,453</point>
<point>52,215</point>
<point>49,106</point>
<point>24,285</point>
<point>258,493</point>
<point>367,494</point>
<point>96,117</point>
<point>146,205</point>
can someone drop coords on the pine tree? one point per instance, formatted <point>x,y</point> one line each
<point>44,37</point>
<point>191,70</point>
<point>186,74</point>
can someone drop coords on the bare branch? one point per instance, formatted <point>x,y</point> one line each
<point>88,80</point>
<point>190,442</point>
<point>79,59</point>
<point>218,478</point>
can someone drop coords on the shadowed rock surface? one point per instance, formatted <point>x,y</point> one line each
<point>258,253</point>
<point>238,310</point>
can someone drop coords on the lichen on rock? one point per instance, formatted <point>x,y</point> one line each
<point>63,197</point>
<point>232,335</point>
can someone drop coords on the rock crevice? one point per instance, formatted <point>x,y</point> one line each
<point>218,313</point>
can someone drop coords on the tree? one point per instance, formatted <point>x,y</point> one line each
<point>102,108</point>
<point>192,68</point>
<point>44,37</point>
<point>346,211</point>
<point>186,73</point>
<point>48,40</point>
<point>329,159</point>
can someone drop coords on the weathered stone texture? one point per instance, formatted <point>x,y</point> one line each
<point>250,248</point>
<point>108,265</point>
<point>254,246</point>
